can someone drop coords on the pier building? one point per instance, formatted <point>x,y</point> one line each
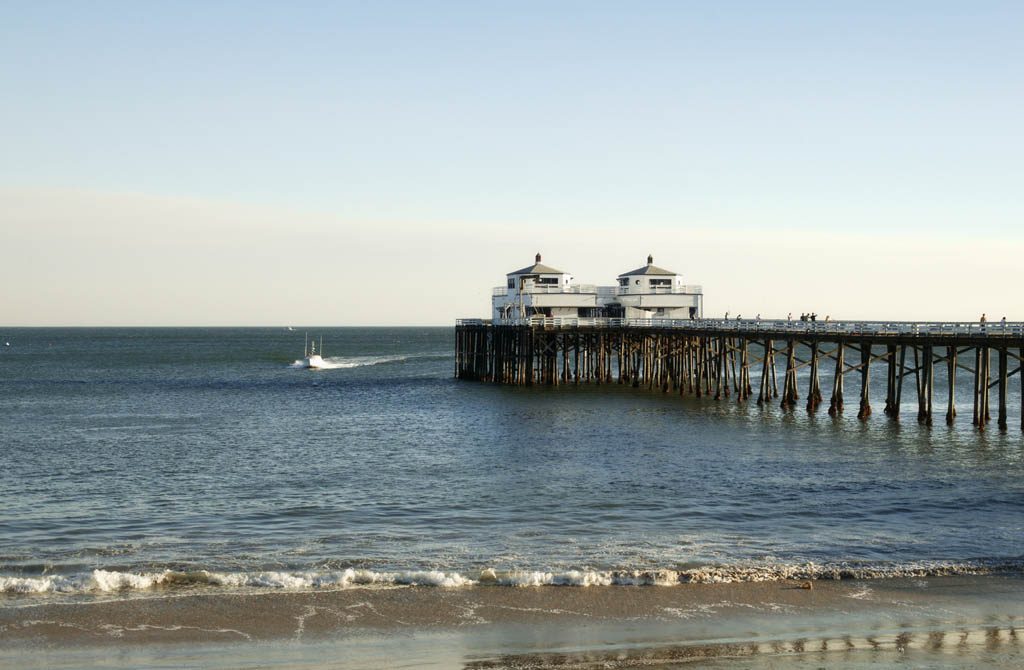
<point>648,292</point>
<point>541,290</point>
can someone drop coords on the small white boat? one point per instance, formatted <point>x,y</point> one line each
<point>311,359</point>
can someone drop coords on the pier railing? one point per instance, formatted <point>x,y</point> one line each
<point>772,326</point>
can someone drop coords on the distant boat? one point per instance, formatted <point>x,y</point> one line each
<point>290,329</point>
<point>311,359</point>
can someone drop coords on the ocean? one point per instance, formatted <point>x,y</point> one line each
<point>147,465</point>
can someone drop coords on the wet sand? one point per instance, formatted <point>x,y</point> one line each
<point>955,620</point>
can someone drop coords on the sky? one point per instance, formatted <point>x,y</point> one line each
<point>387,163</point>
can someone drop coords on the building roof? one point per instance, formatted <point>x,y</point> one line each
<point>537,268</point>
<point>649,269</point>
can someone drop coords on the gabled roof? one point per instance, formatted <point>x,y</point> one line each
<point>649,269</point>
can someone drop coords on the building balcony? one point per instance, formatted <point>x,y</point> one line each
<point>690,289</point>
<point>540,288</point>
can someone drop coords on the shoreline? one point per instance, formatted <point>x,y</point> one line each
<point>536,626</point>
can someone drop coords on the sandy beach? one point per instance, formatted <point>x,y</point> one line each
<point>950,620</point>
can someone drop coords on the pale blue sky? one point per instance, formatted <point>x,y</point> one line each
<point>618,119</point>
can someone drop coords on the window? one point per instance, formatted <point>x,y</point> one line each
<point>623,281</point>
<point>511,283</point>
<point>660,282</point>
<point>548,281</point>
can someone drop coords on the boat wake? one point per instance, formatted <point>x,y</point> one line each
<point>346,362</point>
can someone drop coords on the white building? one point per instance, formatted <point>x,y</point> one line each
<point>540,290</point>
<point>648,292</point>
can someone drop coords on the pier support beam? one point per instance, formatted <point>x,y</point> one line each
<point>814,385</point>
<point>865,381</point>
<point>929,372</point>
<point>951,384</point>
<point>890,380</point>
<point>899,383</point>
<point>836,405</point>
<point>789,390</point>
<point>764,392</point>
<point>1002,388</point>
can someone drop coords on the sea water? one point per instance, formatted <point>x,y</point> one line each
<point>134,457</point>
<point>195,498</point>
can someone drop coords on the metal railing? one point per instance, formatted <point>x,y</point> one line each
<point>882,328</point>
<point>691,289</point>
<point>542,288</point>
<point>603,291</point>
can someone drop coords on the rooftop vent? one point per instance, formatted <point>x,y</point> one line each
<point>538,257</point>
<point>650,259</point>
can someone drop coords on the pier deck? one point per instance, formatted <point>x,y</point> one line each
<point>720,357</point>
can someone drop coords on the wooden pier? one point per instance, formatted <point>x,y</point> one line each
<point>720,358</point>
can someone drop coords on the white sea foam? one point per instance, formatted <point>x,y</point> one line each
<point>110,580</point>
<point>113,580</point>
<point>343,362</point>
<point>47,584</point>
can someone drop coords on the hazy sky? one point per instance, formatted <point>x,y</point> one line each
<point>379,163</point>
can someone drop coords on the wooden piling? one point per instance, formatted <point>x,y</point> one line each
<point>951,353</point>
<point>865,378</point>
<point>836,404</point>
<point>1002,388</point>
<point>704,361</point>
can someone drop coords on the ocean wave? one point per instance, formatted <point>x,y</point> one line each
<point>106,581</point>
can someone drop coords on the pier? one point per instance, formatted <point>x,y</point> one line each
<point>722,358</point>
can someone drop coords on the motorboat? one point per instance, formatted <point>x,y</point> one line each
<point>311,359</point>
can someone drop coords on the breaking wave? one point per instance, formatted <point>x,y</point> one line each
<point>105,581</point>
